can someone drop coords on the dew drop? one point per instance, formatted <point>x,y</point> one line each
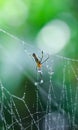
<point>36,83</point>
<point>39,71</point>
<point>23,96</point>
<point>51,73</point>
<point>41,81</point>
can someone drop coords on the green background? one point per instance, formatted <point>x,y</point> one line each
<point>24,19</point>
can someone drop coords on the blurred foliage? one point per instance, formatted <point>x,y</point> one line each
<point>26,18</point>
<point>31,14</point>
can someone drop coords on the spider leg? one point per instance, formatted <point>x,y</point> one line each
<point>45,60</point>
<point>41,57</point>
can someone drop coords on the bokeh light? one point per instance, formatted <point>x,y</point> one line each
<point>14,12</point>
<point>53,36</point>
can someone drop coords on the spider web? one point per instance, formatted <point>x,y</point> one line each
<point>55,104</point>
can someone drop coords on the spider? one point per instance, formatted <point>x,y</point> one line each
<point>39,62</point>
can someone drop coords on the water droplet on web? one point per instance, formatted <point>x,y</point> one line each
<point>41,81</point>
<point>23,96</point>
<point>39,71</point>
<point>36,83</point>
<point>51,73</point>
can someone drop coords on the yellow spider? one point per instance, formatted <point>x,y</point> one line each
<point>39,62</point>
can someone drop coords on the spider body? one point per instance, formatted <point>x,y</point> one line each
<point>39,61</point>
